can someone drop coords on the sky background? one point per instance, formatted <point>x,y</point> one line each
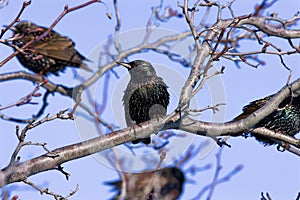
<point>264,169</point>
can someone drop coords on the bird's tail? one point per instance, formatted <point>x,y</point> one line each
<point>85,67</point>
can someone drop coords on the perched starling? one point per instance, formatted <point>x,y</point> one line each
<point>51,54</point>
<point>284,120</point>
<point>146,95</point>
<point>163,184</point>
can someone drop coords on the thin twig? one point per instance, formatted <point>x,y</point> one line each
<point>162,157</point>
<point>17,19</point>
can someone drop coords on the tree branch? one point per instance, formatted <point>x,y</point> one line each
<point>21,171</point>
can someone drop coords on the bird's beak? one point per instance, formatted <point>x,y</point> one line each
<point>124,65</point>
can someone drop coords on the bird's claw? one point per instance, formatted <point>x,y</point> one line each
<point>283,148</point>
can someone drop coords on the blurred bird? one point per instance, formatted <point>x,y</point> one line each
<point>51,54</point>
<point>163,184</point>
<point>284,120</point>
<point>146,95</point>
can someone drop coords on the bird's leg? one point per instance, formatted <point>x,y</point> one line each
<point>146,140</point>
<point>282,146</point>
<point>133,124</point>
<point>40,75</point>
<point>46,69</point>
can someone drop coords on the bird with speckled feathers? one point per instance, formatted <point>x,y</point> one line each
<point>146,95</point>
<point>50,55</point>
<point>284,120</point>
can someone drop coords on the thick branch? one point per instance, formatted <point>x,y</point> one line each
<point>234,128</point>
<point>19,172</point>
<point>262,25</point>
<point>204,50</point>
<point>50,86</point>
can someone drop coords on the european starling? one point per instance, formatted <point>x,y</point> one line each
<point>51,54</point>
<point>163,184</point>
<point>146,95</point>
<point>284,120</point>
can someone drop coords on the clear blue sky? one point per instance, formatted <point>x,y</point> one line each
<point>265,169</point>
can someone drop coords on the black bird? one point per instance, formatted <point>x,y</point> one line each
<point>284,120</point>
<point>146,95</point>
<point>163,184</point>
<point>51,54</point>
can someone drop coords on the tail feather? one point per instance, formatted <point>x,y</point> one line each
<point>85,67</point>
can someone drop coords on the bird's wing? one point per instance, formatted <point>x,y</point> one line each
<point>58,47</point>
<point>62,48</point>
<point>126,98</point>
<point>252,107</point>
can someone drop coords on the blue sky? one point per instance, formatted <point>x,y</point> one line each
<point>264,169</point>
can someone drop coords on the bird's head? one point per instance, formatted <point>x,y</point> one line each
<point>139,68</point>
<point>25,27</point>
<point>174,172</point>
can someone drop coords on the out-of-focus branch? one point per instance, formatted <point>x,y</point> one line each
<point>27,99</point>
<point>117,27</point>
<point>162,157</point>
<point>34,117</point>
<point>4,3</point>
<point>259,9</point>
<point>216,179</point>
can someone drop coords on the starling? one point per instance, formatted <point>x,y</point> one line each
<point>146,95</point>
<point>163,184</point>
<point>284,120</point>
<point>51,54</point>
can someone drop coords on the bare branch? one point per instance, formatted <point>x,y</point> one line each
<point>47,191</point>
<point>117,27</point>
<point>17,19</point>
<point>27,99</point>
